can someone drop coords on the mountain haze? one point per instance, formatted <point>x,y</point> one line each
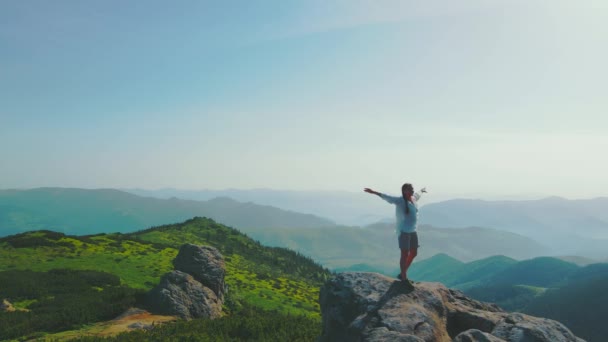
<point>82,211</point>
<point>568,227</point>
<point>343,207</point>
<point>376,246</point>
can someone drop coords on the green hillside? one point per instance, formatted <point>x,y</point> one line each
<point>498,269</point>
<point>508,296</point>
<point>83,211</point>
<point>479,271</point>
<point>581,305</point>
<point>543,272</point>
<point>454,273</point>
<point>435,268</point>
<point>258,277</point>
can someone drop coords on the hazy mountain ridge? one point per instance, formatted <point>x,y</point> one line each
<point>343,207</point>
<point>81,211</point>
<point>563,225</point>
<point>376,245</point>
<point>577,227</point>
<point>348,208</point>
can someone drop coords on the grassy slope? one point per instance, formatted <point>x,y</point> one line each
<point>435,268</point>
<point>581,305</point>
<point>454,273</point>
<point>263,277</point>
<point>479,271</point>
<point>542,271</point>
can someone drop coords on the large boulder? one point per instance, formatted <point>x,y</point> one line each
<point>205,264</point>
<point>195,288</point>
<point>179,294</point>
<point>371,307</point>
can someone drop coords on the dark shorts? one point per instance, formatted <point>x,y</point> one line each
<point>408,241</point>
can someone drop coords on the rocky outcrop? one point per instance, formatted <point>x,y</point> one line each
<point>371,307</point>
<point>205,264</point>
<point>195,288</point>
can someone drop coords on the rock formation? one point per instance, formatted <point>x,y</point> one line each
<point>371,307</point>
<point>195,288</point>
<point>203,263</point>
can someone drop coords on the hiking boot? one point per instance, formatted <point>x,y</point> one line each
<point>407,284</point>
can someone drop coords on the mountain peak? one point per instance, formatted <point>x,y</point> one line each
<point>371,307</point>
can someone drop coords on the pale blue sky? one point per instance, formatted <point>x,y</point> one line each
<point>470,97</point>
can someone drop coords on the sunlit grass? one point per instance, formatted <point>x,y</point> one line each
<point>140,260</point>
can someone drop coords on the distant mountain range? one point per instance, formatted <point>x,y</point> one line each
<point>575,227</point>
<point>375,247</point>
<point>583,220</point>
<point>495,270</point>
<point>568,227</point>
<point>342,207</point>
<point>80,211</point>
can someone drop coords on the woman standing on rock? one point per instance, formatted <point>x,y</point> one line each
<point>406,213</point>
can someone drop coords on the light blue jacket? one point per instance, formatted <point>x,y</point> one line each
<point>405,223</point>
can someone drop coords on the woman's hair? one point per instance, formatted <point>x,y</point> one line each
<point>404,187</point>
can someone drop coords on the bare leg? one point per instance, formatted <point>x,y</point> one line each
<point>408,262</point>
<point>403,263</point>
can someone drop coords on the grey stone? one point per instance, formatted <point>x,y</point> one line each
<point>474,335</point>
<point>358,306</point>
<point>205,264</point>
<point>195,288</point>
<point>179,294</point>
<point>517,327</point>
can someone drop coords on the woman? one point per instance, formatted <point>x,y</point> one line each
<point>406,212</point>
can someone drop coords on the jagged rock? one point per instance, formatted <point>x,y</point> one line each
<point>179,294</point>
<point>195,288</point>
<point>474,335</point>
<point>6,306</point>
<point>371,307</point>
<point>205,264</point>
<point>517,327</point>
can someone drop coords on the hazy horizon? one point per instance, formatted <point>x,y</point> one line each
<point>471,99</point>
<point>428,198</point>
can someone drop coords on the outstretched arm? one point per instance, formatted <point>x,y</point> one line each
<point>370,191</point>
<point>389,199</point>
<point>417,195</point>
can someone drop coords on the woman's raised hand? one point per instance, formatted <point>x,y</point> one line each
<point>368,190</point>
